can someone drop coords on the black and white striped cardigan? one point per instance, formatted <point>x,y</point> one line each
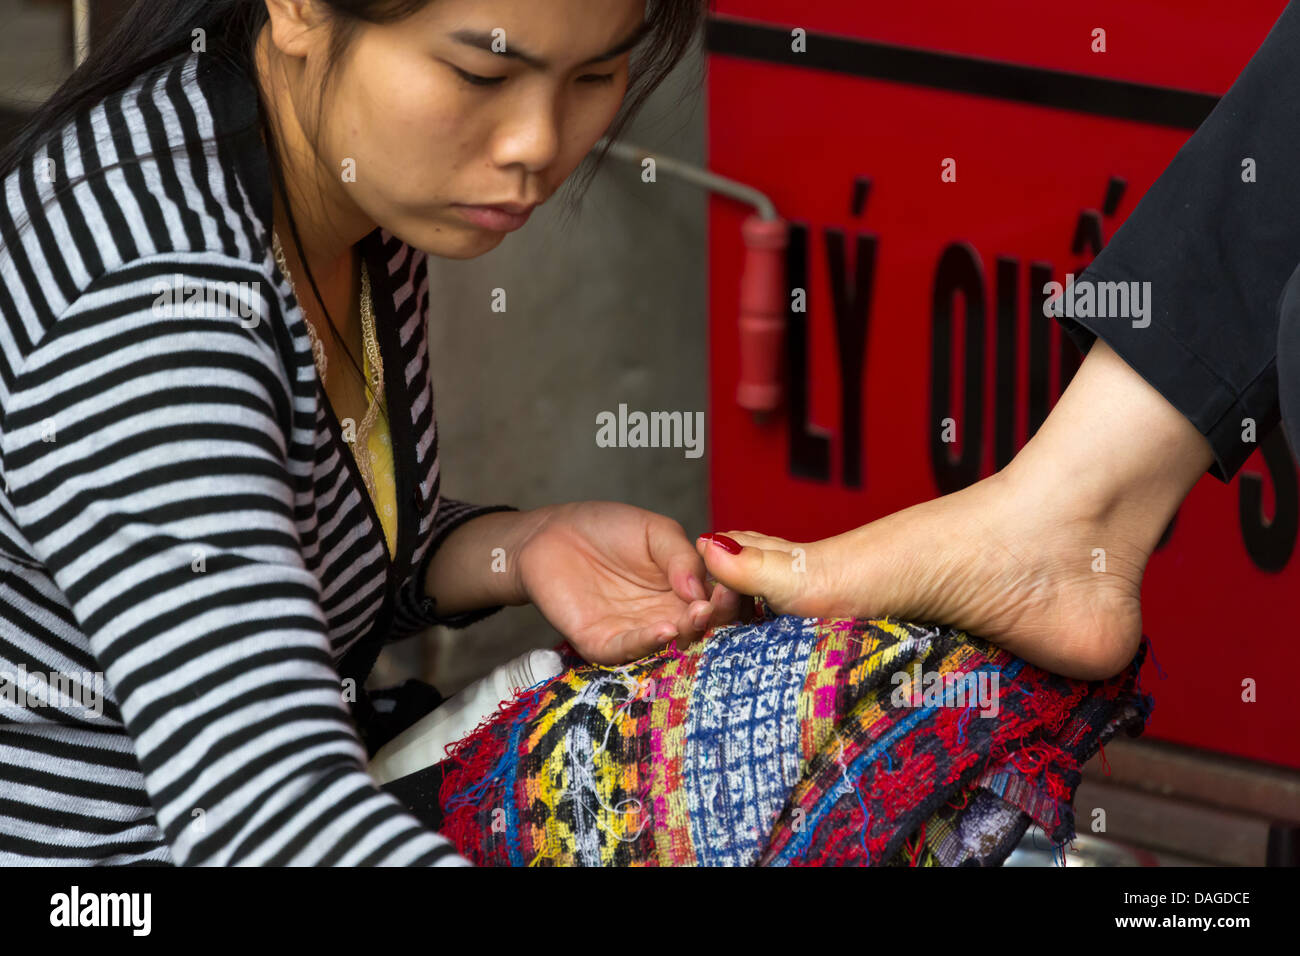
<point>181,519</point>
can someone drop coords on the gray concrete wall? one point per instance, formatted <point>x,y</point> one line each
<point>35,51</point>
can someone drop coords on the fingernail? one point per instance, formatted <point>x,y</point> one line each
<point>697,590</point>
<point>727,544</point>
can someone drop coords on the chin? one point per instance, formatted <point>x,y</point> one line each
<point>449,241</point>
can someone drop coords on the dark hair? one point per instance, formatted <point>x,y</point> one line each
<point>153,31</point>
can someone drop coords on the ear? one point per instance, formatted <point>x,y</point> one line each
<point>292,23</point>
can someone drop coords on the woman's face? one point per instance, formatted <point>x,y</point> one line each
<point>430,121</point>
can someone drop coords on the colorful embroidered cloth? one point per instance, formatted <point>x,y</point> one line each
<point>788,741</point>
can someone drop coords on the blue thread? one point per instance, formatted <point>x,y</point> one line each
<point>963,721</point>
<point>1160,671</point>
<point>544,680</point>
<point>476,791</point>
<point>1034,838</point>
<point>828,799</point>
<point>866,814</point>
<point>511,767</point>
<point>866,822</point>
<point>1059,848</point>
<point>800,842</point>
<point>512,823</point>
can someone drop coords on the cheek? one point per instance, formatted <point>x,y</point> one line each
<point>403,130</point>
<point>600,107</point>
<point>426,158</point>
<point>586,124</point>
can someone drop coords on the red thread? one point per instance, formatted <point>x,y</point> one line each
<point>920,842</point>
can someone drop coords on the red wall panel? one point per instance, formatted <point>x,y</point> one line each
<point>804,132</point>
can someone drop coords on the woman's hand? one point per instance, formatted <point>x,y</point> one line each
<point>617,581</point>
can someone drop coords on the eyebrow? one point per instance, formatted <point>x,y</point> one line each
<point>483,41</point>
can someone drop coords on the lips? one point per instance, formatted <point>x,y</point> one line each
<point>502,217</point>
<point>514,208</point>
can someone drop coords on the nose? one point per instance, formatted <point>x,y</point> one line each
<point>530,135</point>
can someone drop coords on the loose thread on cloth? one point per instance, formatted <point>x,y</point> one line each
<point>1057,849</point>
<point>586,778</point>
<point>1160,671</point>
<point>1054,721</point>
<point>744,749</point>
<point>469,775</point>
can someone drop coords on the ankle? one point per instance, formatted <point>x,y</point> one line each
<point>1119,502</point>
<point>1113,453</point>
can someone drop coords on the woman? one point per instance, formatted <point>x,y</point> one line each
<point>184,523</point>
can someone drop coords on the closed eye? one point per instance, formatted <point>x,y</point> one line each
<point>476,80</point>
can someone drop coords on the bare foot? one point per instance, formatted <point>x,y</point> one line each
<point>998,559</point>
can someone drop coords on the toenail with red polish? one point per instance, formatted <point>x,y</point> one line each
<point>721,540</point>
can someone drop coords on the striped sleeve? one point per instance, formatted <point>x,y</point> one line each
<point>151,465</point>
<point>422,607</point>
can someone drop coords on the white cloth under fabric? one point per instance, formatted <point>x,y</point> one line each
<point>182,525</point>
<point>425,742</point>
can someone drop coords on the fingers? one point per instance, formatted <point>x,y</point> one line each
<point>671,550</point>
<point>755,569</point>
<point>685,570</point>
<point>758,569</point>
<point>641,642</point>
<point>697,619</point>
<point>726,606</point>
<point>688,580</point>
<point>694,621</point>
<point>686,573</point>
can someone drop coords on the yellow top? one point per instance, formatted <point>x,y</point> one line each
<point>381,465</point>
